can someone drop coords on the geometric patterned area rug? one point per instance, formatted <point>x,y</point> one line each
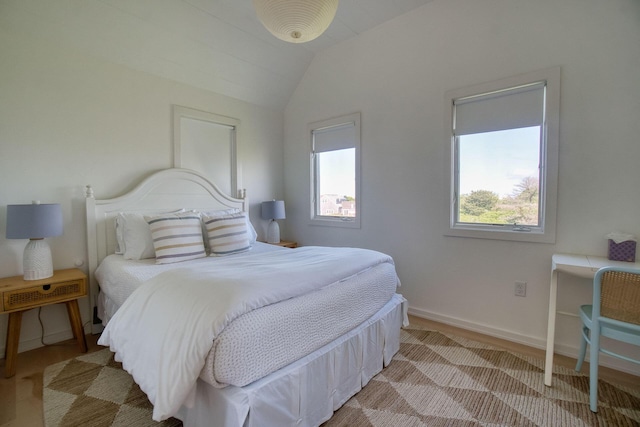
<point>441,379</point>
<point>436,379</point>
<point>93,390</point>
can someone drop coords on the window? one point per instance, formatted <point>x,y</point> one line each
<point>335,171</point>
<point>503,158</point>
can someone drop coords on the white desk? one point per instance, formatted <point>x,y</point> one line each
<point>577,265</point>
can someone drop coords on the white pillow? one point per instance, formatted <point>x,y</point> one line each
<point>133,236</point>
<point>176,237</point>
<point>227,234</point>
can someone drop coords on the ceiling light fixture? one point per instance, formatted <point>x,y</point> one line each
<point>296,21</point>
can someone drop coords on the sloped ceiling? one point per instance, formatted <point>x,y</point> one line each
<point>217,45</point>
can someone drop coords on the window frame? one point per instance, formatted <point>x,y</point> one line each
<point>324,220</point>
<point>546,232</point>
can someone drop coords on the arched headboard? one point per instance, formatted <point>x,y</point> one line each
<point>166,190</point>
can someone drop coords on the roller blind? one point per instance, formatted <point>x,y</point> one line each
<point>508,109</point>
<point>332,138</point>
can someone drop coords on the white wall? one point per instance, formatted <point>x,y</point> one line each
<point>67,120</point>
<point>397,74</point>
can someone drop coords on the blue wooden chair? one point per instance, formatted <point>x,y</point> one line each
<point>615,314</point>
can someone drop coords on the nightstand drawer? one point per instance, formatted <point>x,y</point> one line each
<point>35,296</point>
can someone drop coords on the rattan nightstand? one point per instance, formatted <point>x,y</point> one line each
<point>19,295</point>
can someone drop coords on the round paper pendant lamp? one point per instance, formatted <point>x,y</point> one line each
<point>296,21</point>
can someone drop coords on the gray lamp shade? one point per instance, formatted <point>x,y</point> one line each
<point>34,221</point>
<point>273,209</point>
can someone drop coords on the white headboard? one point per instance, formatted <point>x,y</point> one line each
<point>166,190</point>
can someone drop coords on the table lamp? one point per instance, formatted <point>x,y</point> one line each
<point>273,210</point>
<point>35,222</point>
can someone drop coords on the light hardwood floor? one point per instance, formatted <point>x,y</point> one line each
<point>21,396</point>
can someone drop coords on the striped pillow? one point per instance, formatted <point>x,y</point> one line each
<point>227,234</point>
<point>176,237</point>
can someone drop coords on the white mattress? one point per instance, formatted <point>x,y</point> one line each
<point>288,330</point>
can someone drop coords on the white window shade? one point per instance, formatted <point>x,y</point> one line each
<point>510,109</point>
<point>334,138</point>
<point>335,172</point>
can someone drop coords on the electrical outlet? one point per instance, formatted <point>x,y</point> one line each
<point>520,289</point>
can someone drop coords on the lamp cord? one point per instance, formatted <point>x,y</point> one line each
<point>44,344</point>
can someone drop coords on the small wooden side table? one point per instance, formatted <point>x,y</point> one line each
<point>19,295</point>
<point>286,244</point>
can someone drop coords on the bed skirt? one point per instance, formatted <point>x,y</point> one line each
<point>308,391</point>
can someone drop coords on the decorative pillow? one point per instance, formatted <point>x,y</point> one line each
<point>176,237</point>
<point>227,234</point>
<point>133,236</point>
<point>253,235</point>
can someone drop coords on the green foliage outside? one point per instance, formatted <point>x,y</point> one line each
<point>487,207</point>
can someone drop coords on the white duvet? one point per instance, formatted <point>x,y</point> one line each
<point>165,329</point>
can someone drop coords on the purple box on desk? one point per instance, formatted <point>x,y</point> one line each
<point>623,251</point>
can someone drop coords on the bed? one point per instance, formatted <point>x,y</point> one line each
<point>286,342</point>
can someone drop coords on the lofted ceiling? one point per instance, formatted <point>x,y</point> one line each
<point>217,45</point>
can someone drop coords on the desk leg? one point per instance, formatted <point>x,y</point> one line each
<point>76,324</point>
<point>13,338</point>
<point>551,328</point>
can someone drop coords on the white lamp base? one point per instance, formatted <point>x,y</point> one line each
<point>273,232</point>
<point>36,261</point>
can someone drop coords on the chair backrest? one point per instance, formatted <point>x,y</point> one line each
<point>619,294</point>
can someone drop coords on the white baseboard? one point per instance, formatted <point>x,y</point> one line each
<point>34,343</point>
<point>480,328</point>
<point>531,341</point>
